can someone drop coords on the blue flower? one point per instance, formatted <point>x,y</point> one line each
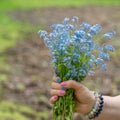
<point>109,48</point>
<point>104,55</point>
<point>65,21</point>
<point>95,29</point>
<point>109,34</point>
<point>75,19</point>
<point>74,47</point>
<point>86,25</point>
<point>103,67</point>
<point>42,33</point>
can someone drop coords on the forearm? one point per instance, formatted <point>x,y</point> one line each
<point>111,110</point>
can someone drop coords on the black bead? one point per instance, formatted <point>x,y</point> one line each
<point>97,114</point>
<point>101,98</point>
<point>100,109</point>
<point>101,106</point>
<point>101,102</point>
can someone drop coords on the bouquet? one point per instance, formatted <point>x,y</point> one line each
<point>75,54</point>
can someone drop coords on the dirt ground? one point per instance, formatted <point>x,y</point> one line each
<point>31,73</point>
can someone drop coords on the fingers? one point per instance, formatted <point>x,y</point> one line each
<point>59,88</point>
<point>68,84</point>
<point>56,79</point>
<point>72,84</point>
<point>57,92</point>
<point>53,99</point>
<point>55,85</point>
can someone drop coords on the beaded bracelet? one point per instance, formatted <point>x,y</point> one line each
<point>97,108</point>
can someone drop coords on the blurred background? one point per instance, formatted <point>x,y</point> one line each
<point>25,72</point>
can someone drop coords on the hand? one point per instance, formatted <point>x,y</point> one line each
<point>84,98</point>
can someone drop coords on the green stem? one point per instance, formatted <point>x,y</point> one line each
<point>62,109</point>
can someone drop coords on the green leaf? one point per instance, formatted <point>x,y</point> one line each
<point>63,70</point>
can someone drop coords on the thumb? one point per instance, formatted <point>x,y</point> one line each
<point>72,84</point>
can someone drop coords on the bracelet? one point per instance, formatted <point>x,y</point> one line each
<point>97,108</point>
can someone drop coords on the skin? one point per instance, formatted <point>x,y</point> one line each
<point>85,99</point>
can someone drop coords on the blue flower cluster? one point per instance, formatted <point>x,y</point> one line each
<point>73,49</point>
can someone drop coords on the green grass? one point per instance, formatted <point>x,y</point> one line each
<point>25,4</point>
<point>13,111</point>
<point>11,31</point>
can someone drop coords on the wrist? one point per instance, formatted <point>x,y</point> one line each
<point>97,107</point>
<point>88,105</point>
<point>91,102</point>
<point>108,111</point>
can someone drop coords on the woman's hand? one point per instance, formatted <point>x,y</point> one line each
<point>84,98</point>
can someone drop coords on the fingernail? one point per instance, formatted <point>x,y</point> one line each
<point>55,97</point>
<point>63,88</point>
<point>58,80</point>
<point>62,92</point>
<point>63,83</point>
